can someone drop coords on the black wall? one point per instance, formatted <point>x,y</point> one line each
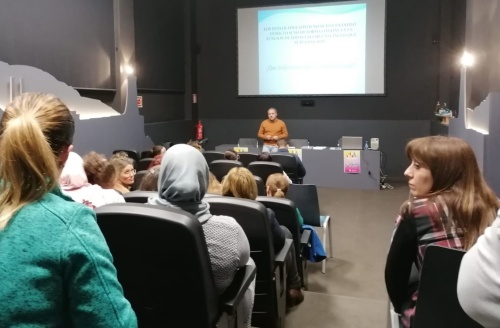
<point>161,28</point>
<point>416,46</point>
<point>71,40</point>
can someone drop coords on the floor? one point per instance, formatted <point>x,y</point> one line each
<point>352,292</point>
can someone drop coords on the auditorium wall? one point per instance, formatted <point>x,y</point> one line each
<point>420,38</point>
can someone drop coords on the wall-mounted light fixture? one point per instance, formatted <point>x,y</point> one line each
<point>128,69</point>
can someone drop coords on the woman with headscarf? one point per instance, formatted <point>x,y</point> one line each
<point>182,183</point>
<point>74,183</point>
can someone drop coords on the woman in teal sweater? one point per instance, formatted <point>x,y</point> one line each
<point>55,267</point>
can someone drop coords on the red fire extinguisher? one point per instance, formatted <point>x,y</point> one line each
<point>199,131</point>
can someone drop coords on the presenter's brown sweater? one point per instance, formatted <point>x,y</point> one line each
<point>272,128</point>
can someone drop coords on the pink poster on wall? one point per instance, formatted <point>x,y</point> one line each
<point>352,161</point>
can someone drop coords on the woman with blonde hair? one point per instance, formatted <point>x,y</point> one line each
<point>214,186</point>
<point>277,186</point>
<point>450,205</point>
<point>240,183</point>
<point>125,173</point>
<point>56,269</point>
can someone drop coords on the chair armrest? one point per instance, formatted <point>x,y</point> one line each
<point>279,258</point>
<point>233,295</point>
<point>305,237</point>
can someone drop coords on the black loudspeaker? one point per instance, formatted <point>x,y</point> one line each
<point>307,102</point>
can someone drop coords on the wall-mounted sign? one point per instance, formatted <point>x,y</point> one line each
<point>139,101</point>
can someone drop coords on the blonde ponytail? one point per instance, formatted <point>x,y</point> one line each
<point>30,140</point>
<point>278,185</point>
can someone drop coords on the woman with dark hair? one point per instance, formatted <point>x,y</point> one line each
<point>450,205</point>
<point>150,180</point>
<point>183,182</point>
<point>56,269</point>
<point>231,155</point>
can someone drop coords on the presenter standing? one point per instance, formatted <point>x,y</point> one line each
<point>271,130</point>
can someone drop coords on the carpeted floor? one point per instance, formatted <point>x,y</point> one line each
<point>352,292</point>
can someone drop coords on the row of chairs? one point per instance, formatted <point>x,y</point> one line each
<point>167,287</point>
<point>304,197</point>
<point>286,163</point>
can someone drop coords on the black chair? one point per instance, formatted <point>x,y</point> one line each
<point>211,155</point>
<point>167,287</point>
<point>286,214</point>
<point>248,142</point>
<point>261,187</point>
<point>138,178</point>
<point>305,197</point>
<point>437,303</point>
<point>139,196</point>
<point>130,153</point>
<point>298,143</point>
<point>264,169</point>
<point>220,167</point>
<point>289,165</point>
<point>148,153</point>
<point>247,158</point>
<point>270,289</point>
<point>144,164</point>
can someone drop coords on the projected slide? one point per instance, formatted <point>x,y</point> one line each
<point>335,48</point>
<point>312,50</point>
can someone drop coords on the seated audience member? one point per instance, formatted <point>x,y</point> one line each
<point>231,155</point>
<point>125,173</point>
<point>240,183</point>
<point>99,170</point>
<point>266,157</point>
<point>277,186</point>
<point>183,182</point>
<point>283,148</point>
<point>150,181</point>
<point>214,186</point>
<point>479,279</point>
<point>156,161</point>
<point>74,183</point>
<point>55,267</point>
<point>158,150</point>
<point>196,144</point>
<point>450,205</point>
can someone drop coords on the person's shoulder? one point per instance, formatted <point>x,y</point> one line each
<point>66,210</point>
<point>223,220</point>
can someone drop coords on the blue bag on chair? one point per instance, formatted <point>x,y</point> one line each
<point>316,251</point>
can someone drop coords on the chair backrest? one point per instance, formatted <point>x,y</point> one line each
<point>163,264</point>
<point>261,187</point>
<point>264,169</point>
<point>139,196</point>
<point>144,164</point>
<point>247,158</point>
<point>305,197</point>
<point>298,143</point>
<point>286,214</point>
<point>131,153</point>
<point>437,303</point>
<point>148,153</point>
<point>288,163</point>
<point>243,142</point>
<point>211,155</point>
<point>220,167</point>
<point>252,216</point>
<point>138,178</point>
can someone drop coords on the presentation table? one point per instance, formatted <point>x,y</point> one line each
<point>325,167</point>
